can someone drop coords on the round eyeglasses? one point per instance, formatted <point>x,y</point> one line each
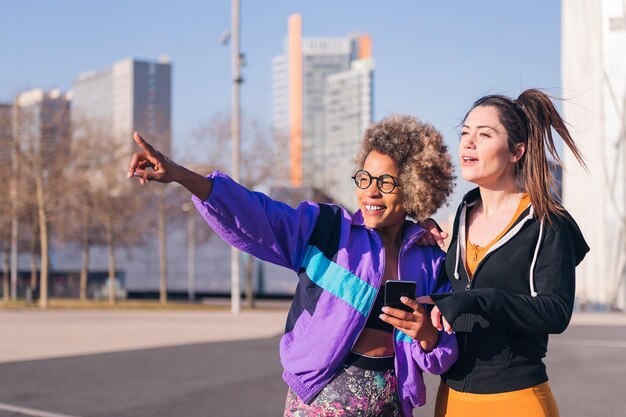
<point>385,183</point>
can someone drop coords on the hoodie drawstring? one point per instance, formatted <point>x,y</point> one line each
<point>533,293</point>
<point>456,263</point>
<point>460,236</point>
<point>532,265</point>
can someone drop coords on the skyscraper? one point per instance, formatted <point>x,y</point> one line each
<point>306,84</point>
<point>348,108</point>
<point>593,68</point>
<point>130,95</point>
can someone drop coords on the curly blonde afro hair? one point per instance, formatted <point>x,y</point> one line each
<point>426,171</point>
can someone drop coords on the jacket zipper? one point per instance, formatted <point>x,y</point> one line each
<point>363,327</point>
<point>461,235</point>
<point>470,282</point>
<point>382,277</point>
<point>505,239</point>
<point>467,329</point>
<point>393,334</point>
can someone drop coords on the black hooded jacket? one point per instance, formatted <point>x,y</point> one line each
<point>521,291</point>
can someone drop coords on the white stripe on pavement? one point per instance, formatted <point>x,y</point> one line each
<point>30,411</point>
<point>590,343</point>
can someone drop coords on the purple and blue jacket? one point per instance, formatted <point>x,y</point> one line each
<point>340,264</point>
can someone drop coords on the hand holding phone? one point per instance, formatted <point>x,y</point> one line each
<point>396,289</point>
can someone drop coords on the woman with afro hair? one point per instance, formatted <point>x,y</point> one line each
<point>343,351</point>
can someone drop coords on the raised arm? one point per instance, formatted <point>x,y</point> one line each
<point>250,221</point>
<point>151,165</point>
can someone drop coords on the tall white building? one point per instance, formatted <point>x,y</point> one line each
<point>41,123</point>
<point>348,108</point>
<point>280,96</point>
<point>593,61</point>
<point>321,57</point>
<point>302,78</point>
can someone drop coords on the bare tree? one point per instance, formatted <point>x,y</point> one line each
<point>11,212</point>
<point>101,203</point>
<point>124,225</point>
<point>41,134</point>
<point>32,211</point>
<point>262,161</point>
<point>161,198</point>
<point>118,209</point>
<point>6,144</point>
<point>180,213</point>
<point>80,226</point>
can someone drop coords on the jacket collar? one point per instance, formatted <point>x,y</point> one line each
<point>471,196</point>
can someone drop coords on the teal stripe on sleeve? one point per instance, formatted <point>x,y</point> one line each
<point>403,337</point>
<point>338,281</point>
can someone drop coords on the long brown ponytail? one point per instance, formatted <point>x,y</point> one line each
<point>529,119</point>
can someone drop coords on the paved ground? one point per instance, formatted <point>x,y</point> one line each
<point>34,334</point>
<point>215,379</point>
<point>195,374</point>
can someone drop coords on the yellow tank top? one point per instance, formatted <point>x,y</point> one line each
<point>474,253</point>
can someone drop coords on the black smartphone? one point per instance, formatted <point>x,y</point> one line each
<point>396,289</point>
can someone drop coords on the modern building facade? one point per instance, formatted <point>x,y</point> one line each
<point>280,97</point>
<point>41,124</point>
<point>348,113</point>
<point>130,95</point>
<point>593,68</point>
<point>6,133</point>
<point>306,83</point>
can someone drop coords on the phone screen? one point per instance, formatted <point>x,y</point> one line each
<point>396,289</point>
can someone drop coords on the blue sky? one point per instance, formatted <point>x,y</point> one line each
<point>433,58</point>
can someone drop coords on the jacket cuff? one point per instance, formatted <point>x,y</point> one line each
<point>441,358</point>
<point>454,304</point>
<point>215,175</point>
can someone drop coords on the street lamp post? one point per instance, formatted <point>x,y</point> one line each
<point>235,138</point>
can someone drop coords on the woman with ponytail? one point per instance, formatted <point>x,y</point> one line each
<point>511,261</point>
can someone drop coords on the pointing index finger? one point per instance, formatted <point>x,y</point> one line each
<point>145,146</point>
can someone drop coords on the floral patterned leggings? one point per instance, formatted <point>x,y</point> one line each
<point>353,392</point>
